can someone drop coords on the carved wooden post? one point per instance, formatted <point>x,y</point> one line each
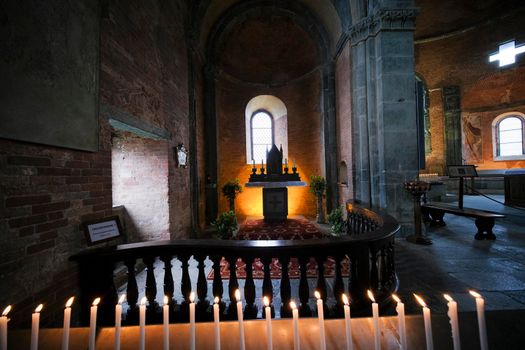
<point>202,288</point>
<point>168,278</point>
<point>304,290</point>
<point>286,290</point>
<point>250,310</point>
<point>339,287</point>
<point>151,283</point>
<point>233,285</point>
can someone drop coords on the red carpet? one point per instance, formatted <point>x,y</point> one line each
<point>297,228</point>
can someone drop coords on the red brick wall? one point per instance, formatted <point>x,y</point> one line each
<point>344,119</point>
<point>486,90</point>
<point>47,192</point>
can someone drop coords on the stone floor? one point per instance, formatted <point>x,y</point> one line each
<point>454,264</point>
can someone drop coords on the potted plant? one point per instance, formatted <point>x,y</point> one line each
<point>318,187</point>
<point>336,221</point>
<point>225,225</point>
<point>230,190</point>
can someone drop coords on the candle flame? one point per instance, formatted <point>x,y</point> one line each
<point>6,310</point>
<point>266,301</point>
<point>237,295</point>
<point>293,305</point>
<point>420,300</point>
<point>143,301</point>
<point>192,297</point>
<point>216,300</point>
<point>166,300</point>
<point>39,308</point>
<point>474,294</point>
<point>448,297</point>
<point>396,298</point>
<point>122,298</point>
<point>70,301</point>
<point>317,295</point>
<point>345,299</point>
<point>96,301</point>
<point>371,296</point>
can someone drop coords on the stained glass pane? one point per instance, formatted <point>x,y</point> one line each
<point>510,136</point>
<point>510,123</point>
<point>511,149</point>
<point>262,136</point>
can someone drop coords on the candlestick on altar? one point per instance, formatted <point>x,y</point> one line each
<point>427,320</point>
<point>268,312</point>
<point>216,320</point>
<point>3,328</point>
<point>67,323</point>
<point>142,323</point>
<point>93,324</point>
<point>166,323</point>
<point>375,316</point>
<point>348,324</point>
<point>454,324</point>
<point>35,327</point>
<point>192,320</point>
<point>240,318</point>
<point>320,316</point>
<point>480,309</point>
<point>400,309</point>
<point>118,320</point>
<point>295,315</point>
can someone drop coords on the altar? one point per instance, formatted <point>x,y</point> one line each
<point>275,182</point>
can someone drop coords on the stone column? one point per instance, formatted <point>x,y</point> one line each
<point>452,110</point>
<point>384,114</point>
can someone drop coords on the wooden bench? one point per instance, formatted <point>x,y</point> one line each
<point>484,219</point>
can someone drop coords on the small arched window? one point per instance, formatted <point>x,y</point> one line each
<point>261,127</point>
<point>508,136</point>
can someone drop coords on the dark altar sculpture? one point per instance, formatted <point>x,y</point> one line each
<point>274,169</point>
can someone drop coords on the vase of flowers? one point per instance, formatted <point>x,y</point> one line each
<point>318,188</point>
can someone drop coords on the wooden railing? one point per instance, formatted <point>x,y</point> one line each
<point>368,250</point>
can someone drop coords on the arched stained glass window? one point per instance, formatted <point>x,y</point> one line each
<point>510,136</point>
<point>261,134</point>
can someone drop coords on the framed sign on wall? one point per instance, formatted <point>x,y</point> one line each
<point>102,230</point>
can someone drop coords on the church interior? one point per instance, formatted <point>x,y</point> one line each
<point>143,110</point>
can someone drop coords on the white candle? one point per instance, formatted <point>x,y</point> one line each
<point>118,320</point>
<point>240,317</point>
<point>375,315</point>
<point>480,308</point>
<point>320,317</point>
<point>348,325</point>
<point>93,323</point>
<point>3,328</point>
<point>166,323</point>
<point>295,315</point>
<point>454,324</point>
<point>400,309</point>
<point>428,324</point>
<point>35,326</point>
<point>216,320</point>
<point>192,320</point>
<point>142,323</point>
<point>67,322</point>
<point>268,311</point>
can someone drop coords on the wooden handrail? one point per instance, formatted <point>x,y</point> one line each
<point>368,247</point>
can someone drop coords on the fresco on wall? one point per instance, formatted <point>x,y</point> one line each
<point>472,140</point>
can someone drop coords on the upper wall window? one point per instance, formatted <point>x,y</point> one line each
<point>262,134</point>
<point>508,136</point>
<point>507,53</point>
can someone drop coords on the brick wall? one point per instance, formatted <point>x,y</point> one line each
<point>486,89</point>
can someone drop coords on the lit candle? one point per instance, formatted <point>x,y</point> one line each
<point>93,323</point>
<point>216,319</point>
<point>480,308</point>
<point>3,328</point>
<point>67,322</point>
<point>375,315</point>
<point>35,326</point>
<point>142,323</point>
<point>166,323</point>
<point>295,315</point>
<point>118,320</point>
<point>320,316</point>
<point>192,320</point>
<point>453,316</point>
<point>268,312</point>
<point>428,325</point>
<point>348,325</point>
<point>240,317</point>
<point>400,309</point>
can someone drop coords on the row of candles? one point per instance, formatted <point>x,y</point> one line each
<point>400,309</point>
